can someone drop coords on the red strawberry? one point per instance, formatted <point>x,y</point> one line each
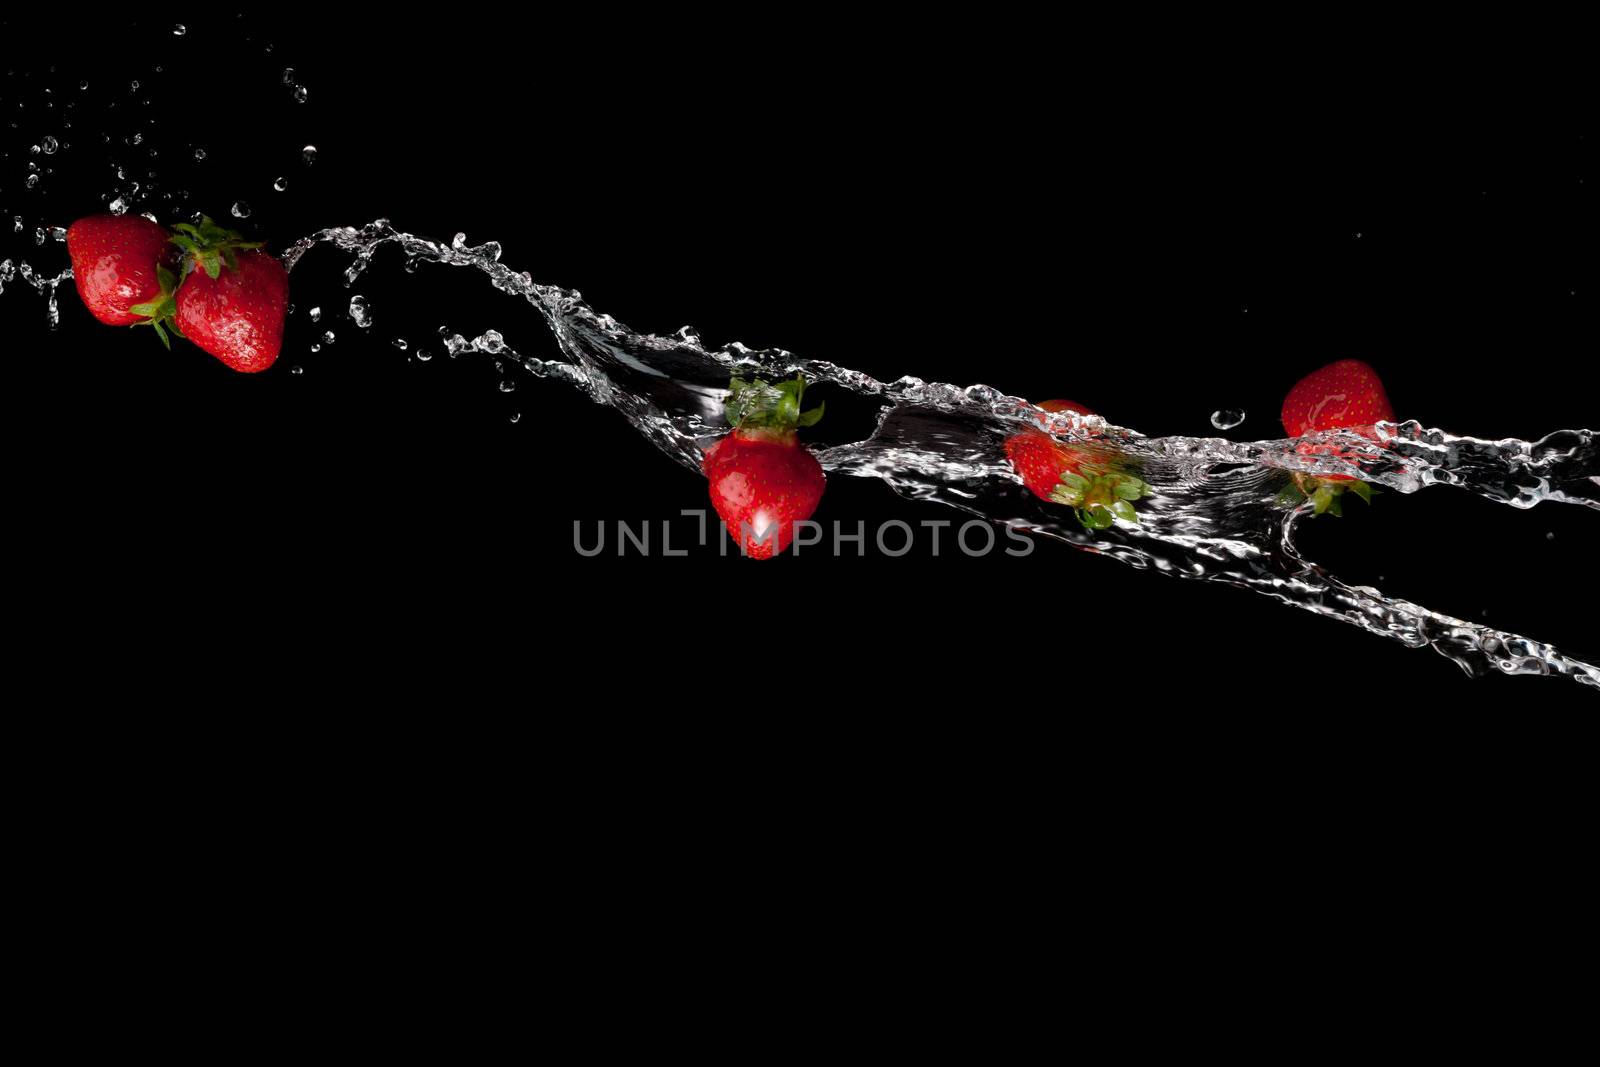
<point>234,297</point>
<point>1087,478</point>
<point>763,480</point>
<point>1346,395</point>
<point>117,265</point>
<point>1339,396</point>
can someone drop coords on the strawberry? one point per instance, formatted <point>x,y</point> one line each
<point>763,480</point>
<point>123,266</point>
<point>1088,478</point>
<point>234,297</point>
<point>1346,395</point>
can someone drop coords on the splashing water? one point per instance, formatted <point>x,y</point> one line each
<point>1211,516</point>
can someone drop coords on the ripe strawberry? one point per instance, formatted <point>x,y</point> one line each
<point>234,297</point>
<point>1346,395</point>
<point>122,265</point>
<point>1088,478</point>
<point>763,480</point>
<point>1336,397</point>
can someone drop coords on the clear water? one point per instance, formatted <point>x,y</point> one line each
<point>1211,516</point>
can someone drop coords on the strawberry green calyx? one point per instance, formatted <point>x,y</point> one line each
<point>1100,494</point>
<point>161,312</point>
<point>210,246</point>
<point>1323,493</point>
<point>774,409</point>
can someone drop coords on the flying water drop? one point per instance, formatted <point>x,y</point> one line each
<point>1227,418</point>
<point>241,210</point>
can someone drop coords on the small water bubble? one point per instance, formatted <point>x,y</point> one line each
<point>507,385</point>
<point>328,337</point>
<point>1551,536</point>
<point>16,224</point>
<point>309,154</point>
<point>137,138</point>
<point>50,144</point>
<point>199,155</point>
<point>133,88</point>
<point>315,314</point>
<point>300,94</point>
<point>281,184</point>
<point>359,312</point>
<point>316,348</point>
<point>516,416</point>
<point>32,182</point>
<point>423,355</point>
<point>179,30</point>
<point>58,233</point>
<point>1227,418</point>
<point>39,237</point>
<point>297,369</point>
<point>400,343</point>
<point>288,75</point>
<point>241,210</point>
<point>1358,235</point>
<point>83,84</point>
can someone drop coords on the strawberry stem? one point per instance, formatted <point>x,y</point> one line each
<point>758,405</point>
<point>209,246</point>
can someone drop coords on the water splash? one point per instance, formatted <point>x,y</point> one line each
<point>45,284</point>
<point>1211,516</point>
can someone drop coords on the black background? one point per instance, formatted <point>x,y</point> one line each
<point>1054,216</point>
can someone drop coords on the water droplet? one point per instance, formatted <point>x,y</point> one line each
<point>58,233</point>
<point>359,312</point>
<point>1551,536</point>
<point>39,237</point>
<point>32,182</point>
<point>315,314</point>
<point>281,184</point>
<point>508,386</point>
<point>134,87</point>
<point>309,154</point>
<point>316,348</point>
<point>50,145</point>
<point>300,94</point>
<point>83,85</point>
<point>179,30</point>
<point>328,337</point>
<point>516,416</point>
<point>288,75</point>
<point>400,343</point>
<point>1358,235</point>
<point>199,155</point>
<point>1227,418</point>
<point>423,355</point>
<point>458,241</point>
<point>241,210</point>
<point>297,369</point>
